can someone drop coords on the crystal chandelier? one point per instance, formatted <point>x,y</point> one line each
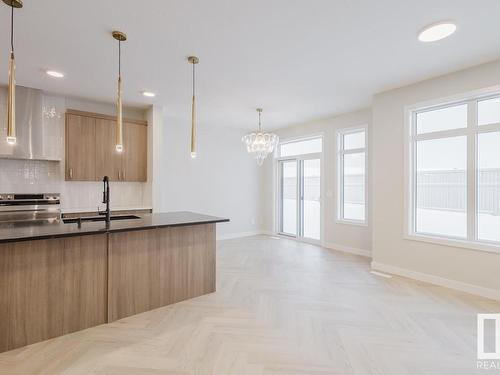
<point>50,112</point>
<point>260,144</point>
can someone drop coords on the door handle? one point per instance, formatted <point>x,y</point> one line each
<point>71,173</point>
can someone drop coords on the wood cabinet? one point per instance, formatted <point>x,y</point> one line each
<point>134,156</point>
<point>108,161</point>
<point>49,288</point>
<point>91,153</point>
<point>148,269</point>
<point>80,148</point>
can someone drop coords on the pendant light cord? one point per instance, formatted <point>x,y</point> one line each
<point>12,28</point>
<point>260,123</point>
<point>194,81</point>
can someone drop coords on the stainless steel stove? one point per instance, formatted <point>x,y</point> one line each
<point>28,208</point>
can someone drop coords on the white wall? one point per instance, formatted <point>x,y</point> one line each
<point>152,192</point>
<point>335,234</point>
<point>103,108</point>
<point>222,181</point>
<point>462,265</point>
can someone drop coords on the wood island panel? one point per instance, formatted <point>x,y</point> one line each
<point>187,268</point>
<point>157,267</point>
<point>133,283</point>
<point>51,287</point>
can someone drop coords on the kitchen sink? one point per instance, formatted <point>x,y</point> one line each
<point>99,218</point>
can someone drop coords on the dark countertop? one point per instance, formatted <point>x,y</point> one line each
<point>37,231</point>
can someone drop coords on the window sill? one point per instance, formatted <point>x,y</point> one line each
<point>352,222</point>
<point>465,244</point>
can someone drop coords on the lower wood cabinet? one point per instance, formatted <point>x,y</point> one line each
<point>49,288</point>
<point>52,287</point>
<point>91,153</point>
<point>153,268</point>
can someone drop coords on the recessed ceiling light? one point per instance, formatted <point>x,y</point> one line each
<point>437,31</point>
<point>149,94</point>
<point>54,74</point>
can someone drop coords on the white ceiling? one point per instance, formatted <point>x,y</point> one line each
<point>299,59</point>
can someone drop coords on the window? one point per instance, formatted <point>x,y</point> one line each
<point>455,171</point>
<point>441,166</point>
<point>442,119</point>
<point>352,156</point>
<point>488,186</point>
<point>301,147</point>
<point>489,111</point>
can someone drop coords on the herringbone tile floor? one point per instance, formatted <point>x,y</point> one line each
<point>281,307</point>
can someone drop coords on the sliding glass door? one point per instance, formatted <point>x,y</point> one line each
<point>299,197</point>
<point>289,190</point>
<point>310,199</point>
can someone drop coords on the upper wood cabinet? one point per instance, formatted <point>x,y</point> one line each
<point>108,161</point>
<point>80,148</point>
<point>135,153</point>
<point>91,153</point>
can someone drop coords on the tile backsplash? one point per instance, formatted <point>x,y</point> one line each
<point>36,176</point>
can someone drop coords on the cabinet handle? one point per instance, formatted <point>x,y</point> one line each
<point>123,176</point>
<point>71,173</point>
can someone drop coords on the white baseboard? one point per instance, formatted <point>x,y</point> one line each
<point>343,248</point>
<point>231,236</point>
<point>347,249</point>
<point>437,280</point>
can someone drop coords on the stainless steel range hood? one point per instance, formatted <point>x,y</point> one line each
<point>39,126</point>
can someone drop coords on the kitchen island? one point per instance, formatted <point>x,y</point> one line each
<point>59,278</point>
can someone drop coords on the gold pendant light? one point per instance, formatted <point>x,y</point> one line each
<point>193,60</point>
<point>11,102</point>
<point>120,37</point>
